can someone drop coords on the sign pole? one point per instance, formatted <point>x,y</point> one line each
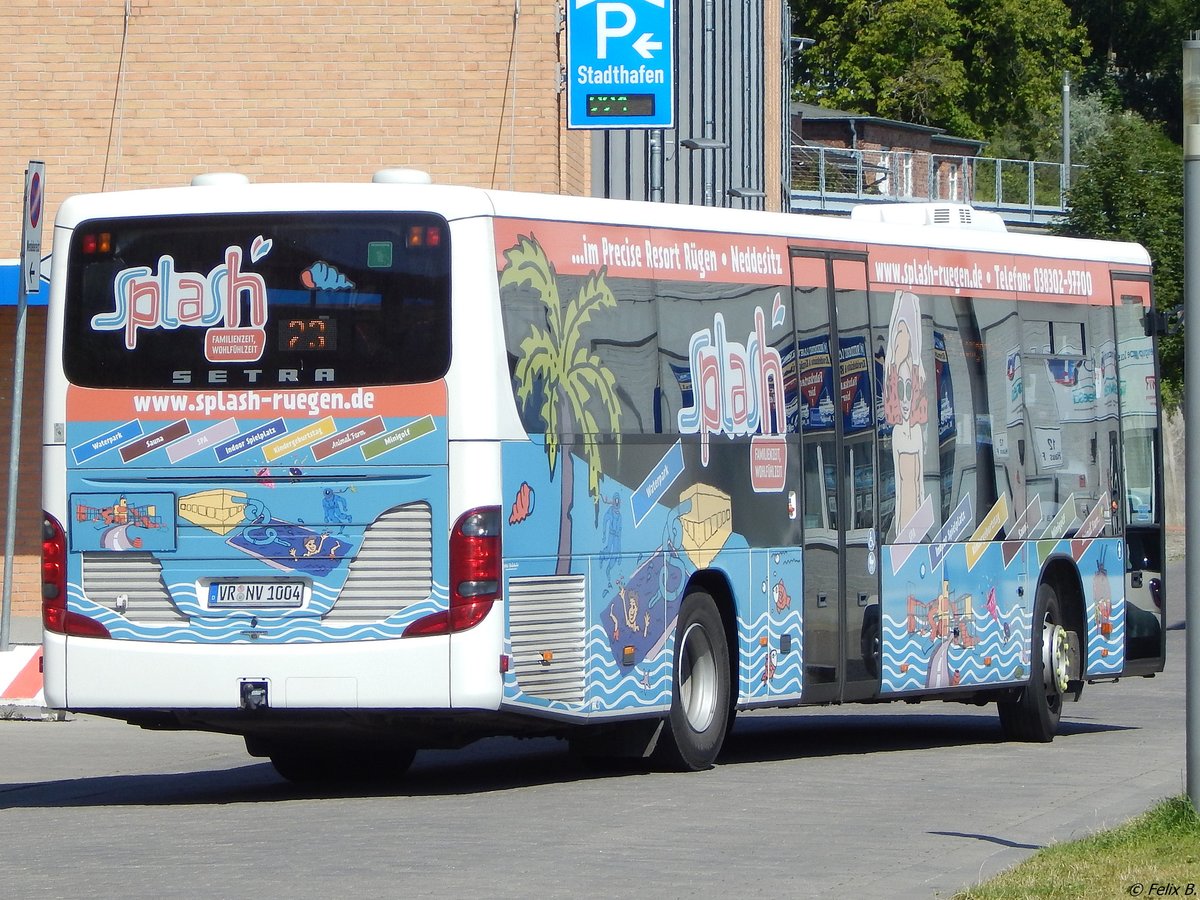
<point>1191,394</point>
<point>29,282</point>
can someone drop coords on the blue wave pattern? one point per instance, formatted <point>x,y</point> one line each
<point>770,668</point>
<point>961,625</point>
<point>1104,599</point>
<point>951,621</point>
<point>620,553</point>
<point>269,627</point>
<point>613,687</point>
<point>243,512</point>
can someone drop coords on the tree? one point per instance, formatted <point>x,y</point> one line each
<point>1132,190</point>
<point>575,386</point>
<point>968,66</point>
<point>1019,50</point>
<point>1137,54</point>
<point>894,59</point>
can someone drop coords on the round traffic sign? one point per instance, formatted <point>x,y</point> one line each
<point>35,199</point>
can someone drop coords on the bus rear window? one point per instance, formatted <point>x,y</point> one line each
<point>341,298</point>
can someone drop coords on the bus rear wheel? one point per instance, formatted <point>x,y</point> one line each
<point>349,762</point>
<point>1034,715</point>
<point>694,731</point>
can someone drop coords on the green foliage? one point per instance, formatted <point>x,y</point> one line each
<point>1138,60</point>
<point>1019,50</point>
<point>1132,190</point>
<point>895,59</point>
<point>968,66</point>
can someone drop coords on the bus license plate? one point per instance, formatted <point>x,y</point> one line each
<point>256,593</point>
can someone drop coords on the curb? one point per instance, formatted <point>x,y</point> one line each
<point>21,695</point>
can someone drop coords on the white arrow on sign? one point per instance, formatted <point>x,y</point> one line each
<point>644,45</point>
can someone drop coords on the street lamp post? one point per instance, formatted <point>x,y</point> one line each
<point>1191,308</point>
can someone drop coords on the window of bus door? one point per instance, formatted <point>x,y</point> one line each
<point>965,423</point>
<point>819,483</point>
<point>1138,390</point>
<point>856,413</point>
<point>1064,468</point>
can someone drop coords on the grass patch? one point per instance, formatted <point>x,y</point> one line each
<point>1146,857</point>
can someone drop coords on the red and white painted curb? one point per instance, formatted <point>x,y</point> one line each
<point>21,676</point>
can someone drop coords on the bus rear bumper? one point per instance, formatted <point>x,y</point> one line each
<point>97,675</point>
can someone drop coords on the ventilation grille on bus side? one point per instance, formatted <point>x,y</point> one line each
<point>548,622</point>
<point>392,569</point>
<point>130,584</point>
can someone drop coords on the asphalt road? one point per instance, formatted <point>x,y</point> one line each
<point>889,801</point>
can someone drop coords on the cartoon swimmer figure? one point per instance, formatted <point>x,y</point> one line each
<point>312,547</point>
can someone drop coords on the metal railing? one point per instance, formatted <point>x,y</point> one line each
<point>834,180</point>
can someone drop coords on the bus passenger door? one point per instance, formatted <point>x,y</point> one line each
<point>837,489</point>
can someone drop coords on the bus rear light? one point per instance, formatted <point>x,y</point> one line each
<point>423,236</point>
<point>55,615</point>
<point>96,243</point>
<point>54,564</point>
<point>474,575</point>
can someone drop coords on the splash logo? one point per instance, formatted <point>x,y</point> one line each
<point>229,303</point>
<point>737,389</point>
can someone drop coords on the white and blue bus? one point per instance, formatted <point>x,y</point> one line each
<point>353,470</point>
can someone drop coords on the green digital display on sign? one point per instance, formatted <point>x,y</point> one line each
<point>620,104</point>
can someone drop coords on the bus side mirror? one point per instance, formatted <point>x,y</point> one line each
<point>1156,322</point>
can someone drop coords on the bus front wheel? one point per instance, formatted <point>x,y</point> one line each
<point>1035,713</point>
<point>694,731</point>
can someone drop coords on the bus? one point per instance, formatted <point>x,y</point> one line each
<point>353,470</point>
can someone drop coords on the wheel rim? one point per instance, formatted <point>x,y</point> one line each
<point>1055,658</point>
<point>698,680</point>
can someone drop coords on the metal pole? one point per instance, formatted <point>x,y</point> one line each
<point>14,464</point>
<point>1066,135</point>
<point>1191,371</point>
<point>656,165</point>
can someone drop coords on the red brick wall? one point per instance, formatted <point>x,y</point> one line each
<point>310,90</point>
<point>26,590</point>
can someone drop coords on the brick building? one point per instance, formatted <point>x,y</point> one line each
<point>115,94</point>
<point>894,160</point>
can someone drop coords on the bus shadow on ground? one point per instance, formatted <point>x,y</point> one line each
<point>762,737</point>
<point>499,764</point>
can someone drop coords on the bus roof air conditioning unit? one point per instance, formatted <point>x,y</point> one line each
<point>219,179</point>
<point>401,176</point>
<point>942,215</point>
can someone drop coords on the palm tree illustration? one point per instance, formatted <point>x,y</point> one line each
<point>578,391</point>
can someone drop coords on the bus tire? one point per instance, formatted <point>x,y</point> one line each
<point>694,731</point>
<point>1035,713</point>
<point>340,763</point>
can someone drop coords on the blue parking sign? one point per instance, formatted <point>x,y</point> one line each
<point>620,64</point>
